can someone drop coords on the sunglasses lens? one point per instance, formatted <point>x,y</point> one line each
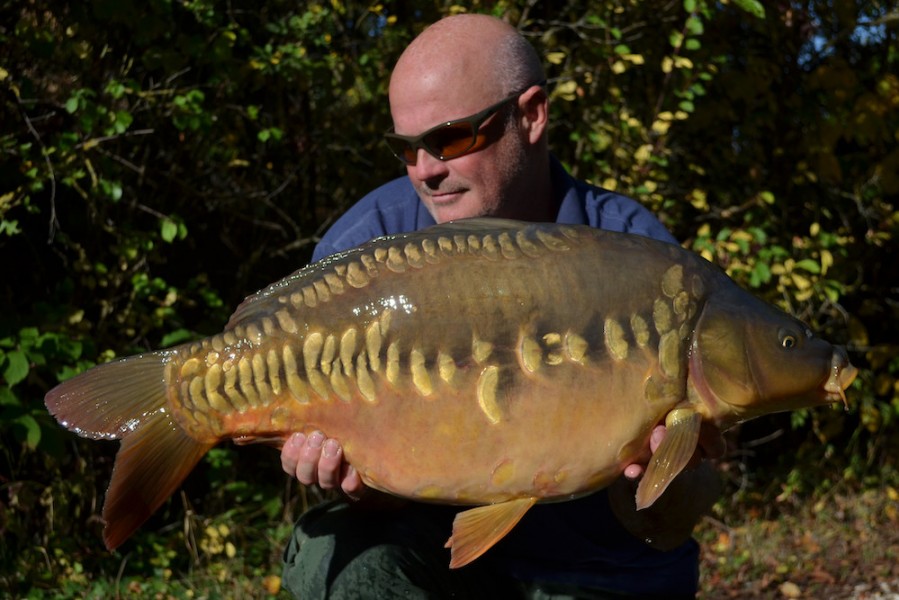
<point>402,149</point>
<point>451,140</point>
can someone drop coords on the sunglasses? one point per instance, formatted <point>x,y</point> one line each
<point>451,139</point>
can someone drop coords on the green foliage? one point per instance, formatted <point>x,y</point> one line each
<point>159,161</point>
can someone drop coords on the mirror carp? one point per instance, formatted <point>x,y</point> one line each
<point>484,362</point>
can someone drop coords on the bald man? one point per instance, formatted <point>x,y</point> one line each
<point>470,118</point>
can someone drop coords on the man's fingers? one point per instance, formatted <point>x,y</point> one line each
<point>655,439</point>
<point>352,484</point>
<point>330,465</point>
<point>290,453</point>
<point>310,453</point>
<point>633,471</point>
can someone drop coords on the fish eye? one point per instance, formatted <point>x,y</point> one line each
<point>788,339</point>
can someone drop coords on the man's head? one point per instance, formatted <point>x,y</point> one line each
<point>458,67</point>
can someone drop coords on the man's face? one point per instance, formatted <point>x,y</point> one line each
<point>471,185</point>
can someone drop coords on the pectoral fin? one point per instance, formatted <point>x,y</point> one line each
<point>672,455</point>
<point>476,530</point>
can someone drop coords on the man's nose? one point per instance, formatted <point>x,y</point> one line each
<point>426,166</point>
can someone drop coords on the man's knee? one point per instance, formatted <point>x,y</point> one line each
<point>338,552</point>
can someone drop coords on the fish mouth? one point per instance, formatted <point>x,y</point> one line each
<point>842,374</point>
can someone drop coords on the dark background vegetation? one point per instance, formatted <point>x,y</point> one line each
<point>162,159</point>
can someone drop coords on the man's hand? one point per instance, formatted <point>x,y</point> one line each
<point>711,445</point>
<point>669,522</point>
<point>316,460</point>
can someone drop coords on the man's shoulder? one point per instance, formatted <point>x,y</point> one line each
<point>391,208</point>
<point>616,212</point>
<point>587,204</point>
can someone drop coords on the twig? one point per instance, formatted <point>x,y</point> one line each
<point>54,223</point>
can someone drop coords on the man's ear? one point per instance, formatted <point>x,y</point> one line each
<point>534,107</point>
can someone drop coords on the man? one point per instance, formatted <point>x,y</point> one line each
<point>494,163</point>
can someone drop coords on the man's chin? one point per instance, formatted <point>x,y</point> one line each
<point>454,210</point>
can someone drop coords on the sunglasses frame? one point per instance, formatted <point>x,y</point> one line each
<point>415,142</point>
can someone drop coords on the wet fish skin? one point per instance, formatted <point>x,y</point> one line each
<point>543,354</point>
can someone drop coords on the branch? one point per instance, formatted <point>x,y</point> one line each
<point>54,222</point>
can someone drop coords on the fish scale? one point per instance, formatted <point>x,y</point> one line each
<point>485,362</point>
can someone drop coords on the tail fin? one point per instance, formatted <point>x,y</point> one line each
<point>126,400</point>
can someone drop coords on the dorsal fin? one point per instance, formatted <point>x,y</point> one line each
<point>266,301</point>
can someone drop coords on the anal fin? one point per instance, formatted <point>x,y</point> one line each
<point>476,530</point>
<point>672,455</point>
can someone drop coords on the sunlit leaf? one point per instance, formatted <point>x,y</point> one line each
<point>753,7</point>
<point>16,368</point>
<point>30,430</point>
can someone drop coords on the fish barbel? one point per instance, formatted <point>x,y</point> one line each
<point>543,355</point>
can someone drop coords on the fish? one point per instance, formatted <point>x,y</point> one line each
<point>486,363</point>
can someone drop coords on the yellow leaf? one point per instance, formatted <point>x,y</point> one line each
<point>272,584</point>
<point>826,261</point>
<point>4,74</point>
<point>643,153</point>
<point>610,184</point>
<point>618,67</point>
<point>667,64</point>
<point>634,59</point>
<point>566,90</point>
<point>682,62</point>
<point>892,494</point>
<point>790,590</point>
<point>699,199</point>
<point>661,127</point>
<point>555,58</point>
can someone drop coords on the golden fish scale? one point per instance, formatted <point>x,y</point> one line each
<point>424,349</point>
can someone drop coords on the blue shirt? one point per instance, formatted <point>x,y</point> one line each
<point>579,542</point>
<point>396,208</point>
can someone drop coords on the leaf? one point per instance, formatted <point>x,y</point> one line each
<point>555,58</point>
<point>753,7</point>
<point>176,337</point>
<point>168,230</point>
<point>8,398</point>
<point>16,367</point>
<point>32,431</point>
<point>694,26</point>
<point>667,64</point>
<point>809,265</point>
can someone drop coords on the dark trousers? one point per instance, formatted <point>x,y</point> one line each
<point>345,552</point>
